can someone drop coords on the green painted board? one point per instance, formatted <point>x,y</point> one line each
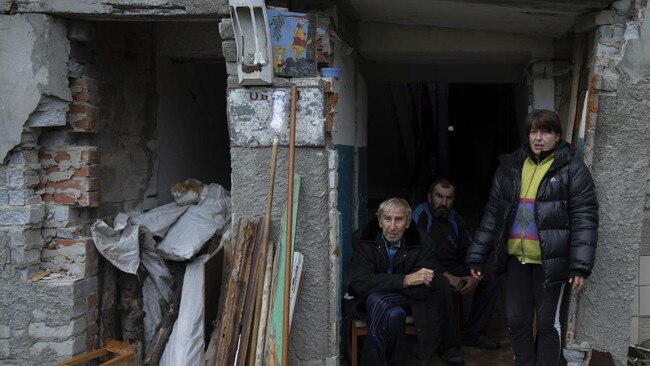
<point>276,314</point>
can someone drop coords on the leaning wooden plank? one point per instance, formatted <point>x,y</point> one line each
<point>84,357</point>
<point>257,266</point>
<point>269,357</point>
<point>296,277</point>
<point>264,311</point>
<point>259,280</point>
<point>120,361</point>
<point>212,279</point>
<point>164,329</point>
<point>274,332</point>
<point>226,246</point>
<point>242,282</point>
<point>225,329</point>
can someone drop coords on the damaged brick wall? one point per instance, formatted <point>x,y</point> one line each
<point>69,186</point>
<point>48,187</point>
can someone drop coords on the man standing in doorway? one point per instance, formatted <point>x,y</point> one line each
<point>541,221</point>
<point>391,270</point>
<point>451,237</point>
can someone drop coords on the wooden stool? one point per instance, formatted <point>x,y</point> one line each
<point>360,328</point>
<point>124,355</point>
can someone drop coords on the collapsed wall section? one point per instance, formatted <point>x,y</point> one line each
<point>49,302</point>
<point>91,122</point>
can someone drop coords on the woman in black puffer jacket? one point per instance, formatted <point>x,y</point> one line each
<point>541,224</point>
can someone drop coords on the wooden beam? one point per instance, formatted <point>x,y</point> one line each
<point>288,252</point>
<point>578,54</point>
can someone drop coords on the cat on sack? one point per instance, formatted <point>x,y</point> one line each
<point>187,192</point>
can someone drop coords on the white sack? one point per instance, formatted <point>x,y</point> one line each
<point>118,244</point>
<point>197,225</point>
<point>186,343</point>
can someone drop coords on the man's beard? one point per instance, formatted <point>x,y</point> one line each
<point>441,213</point>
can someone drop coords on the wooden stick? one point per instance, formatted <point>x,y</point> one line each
<point>287,254</point>
<point>578,51</point>
<point>257,266</point>
<point>229,327</point>
<point>261,304</point>
<point>264,314</point>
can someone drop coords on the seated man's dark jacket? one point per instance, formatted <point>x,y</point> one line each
<point>451,242</point>
<point>369,273</point>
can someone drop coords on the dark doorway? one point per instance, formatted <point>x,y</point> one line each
<point>483,117</point>
<point>420,132</point>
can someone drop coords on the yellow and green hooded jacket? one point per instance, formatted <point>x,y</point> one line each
<point>523,241</point>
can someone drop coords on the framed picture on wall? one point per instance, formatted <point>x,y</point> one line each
<point>293,40</point>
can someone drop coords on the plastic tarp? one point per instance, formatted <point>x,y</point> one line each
<point>157,285</point>
<point>119,244</point>
<point>160,219</point>
<point>197,225</point>
<point>186,343</point>
<point>184,230</point>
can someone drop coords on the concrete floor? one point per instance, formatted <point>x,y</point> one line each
<point>474,356</point>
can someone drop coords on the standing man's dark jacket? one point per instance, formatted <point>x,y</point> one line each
<point>369,273</point>
<point>566,213</point>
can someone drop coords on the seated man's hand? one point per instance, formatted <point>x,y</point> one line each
<point>422,277</point>
<point>470,285</point>
<point>455,282</point>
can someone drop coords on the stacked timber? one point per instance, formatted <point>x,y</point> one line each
<point>248,330</point>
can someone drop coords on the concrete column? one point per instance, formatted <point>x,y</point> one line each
<point>314,331</point>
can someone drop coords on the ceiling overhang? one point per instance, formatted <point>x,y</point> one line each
<point>550,18</point>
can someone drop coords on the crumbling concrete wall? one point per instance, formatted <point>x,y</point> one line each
<point>620,168</point>
<point>42,321</point>
<point>33,79</point>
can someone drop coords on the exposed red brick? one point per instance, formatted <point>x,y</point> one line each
<point>44,156</point>
<point>62,198</point>
<point>83,125</point>
<point>92,259</point>
<point>92,299</point>
<point>59,243</point>
<point>83,184</point>
<point>87,171</point>
<point>90,155</point>
<point>52,169</point>
<point>61,156</point>
<point>81,97</point>
<point>81,108</point>
<point>89,199</point>
<point>66,184</point>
